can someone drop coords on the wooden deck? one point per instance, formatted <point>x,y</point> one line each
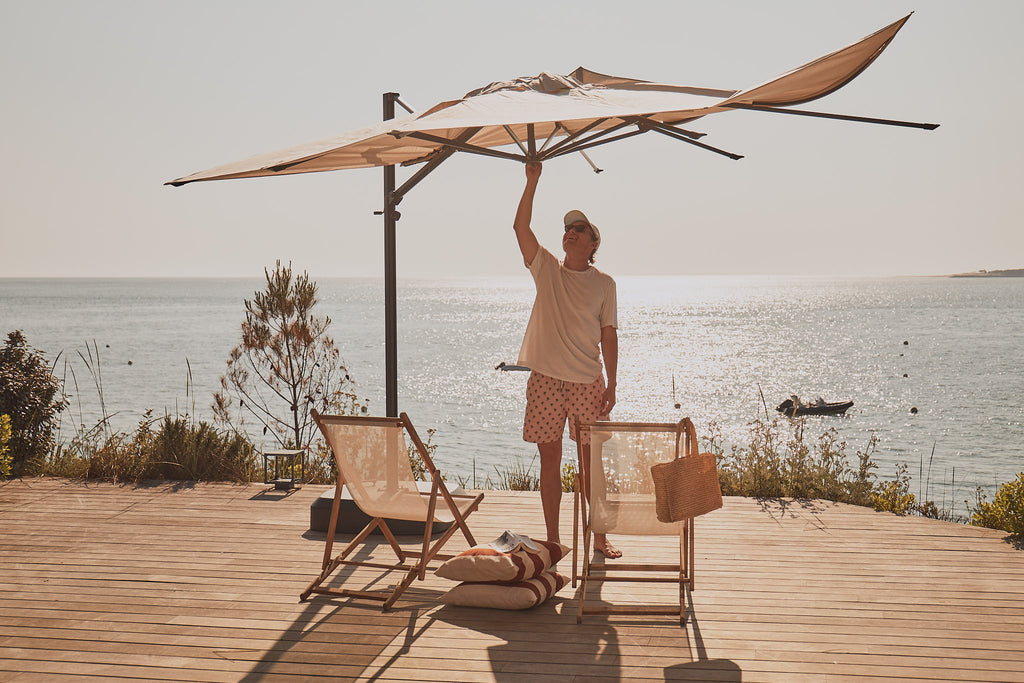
<point>200,583</point>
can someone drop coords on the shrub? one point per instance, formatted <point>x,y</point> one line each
<point>182,449</point>
<point>895,496</point>
<point>33,399</point>
<point>516,477</point>
<point>178,449</point>
<point>5,451</point>
<point>569,477</point>
<point>1005,512</point>
<point>777,464</point>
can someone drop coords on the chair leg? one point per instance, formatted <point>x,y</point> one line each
<point>582,597</point>
<point>575,528</point>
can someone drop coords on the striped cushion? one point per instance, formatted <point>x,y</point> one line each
<point>518,595</point>
<point>484,563</point>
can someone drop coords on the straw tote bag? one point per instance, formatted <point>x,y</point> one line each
<point>687,486</point>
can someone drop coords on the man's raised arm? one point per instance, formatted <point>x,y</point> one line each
<point>524,233</point>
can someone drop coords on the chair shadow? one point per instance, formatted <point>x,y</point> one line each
<point>593,646</point>
<point>308,646</point>
<point>702,668</point>
<point>592,650</point>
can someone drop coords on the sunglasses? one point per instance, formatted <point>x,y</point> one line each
<point>579,228</point>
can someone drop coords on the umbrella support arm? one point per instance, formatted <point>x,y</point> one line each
<point>826,115</point>
<point>439,158</point>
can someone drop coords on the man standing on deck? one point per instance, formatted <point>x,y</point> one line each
<point>571,329</point>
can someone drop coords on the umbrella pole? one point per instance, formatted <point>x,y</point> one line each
<point>390,278</point>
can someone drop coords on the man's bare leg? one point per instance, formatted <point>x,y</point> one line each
<point>601,543</point>
<point>551,485</point>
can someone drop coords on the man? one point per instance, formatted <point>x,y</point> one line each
<point>571,330</point>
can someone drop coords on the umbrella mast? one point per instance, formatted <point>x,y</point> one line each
<point>391,216</point>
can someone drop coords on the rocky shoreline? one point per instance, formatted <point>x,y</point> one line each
<point>1016,272</point>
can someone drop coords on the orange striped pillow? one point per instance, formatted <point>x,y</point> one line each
<point>518,595</point>
<point>485,563</point>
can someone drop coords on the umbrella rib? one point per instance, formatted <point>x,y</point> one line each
<point>594,141</point>
<point>554,131</point>
<point>555,150</point>
<point>512,135</point>
<point>825,115</point>
<point>647,121</point>
<point>674,133</point>
<point>461,146</point>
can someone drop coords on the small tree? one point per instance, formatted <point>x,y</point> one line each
<point>32,397</point>
<point>286,364</point>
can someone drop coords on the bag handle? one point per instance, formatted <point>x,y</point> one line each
<point>690,440</point>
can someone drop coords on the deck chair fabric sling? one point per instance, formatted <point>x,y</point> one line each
<point>621,501</point>
<point>373,463</point>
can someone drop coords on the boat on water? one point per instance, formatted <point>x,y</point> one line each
<point>794,407</point>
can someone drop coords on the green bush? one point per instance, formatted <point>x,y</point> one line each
<point>5,451</point>
<point>182,449</point>
<point>569,477</point>
<point>895,496</point>
<point>1005,512</point>
<point>33,399</point>
<point>779,462</point>
<point>178,449</point>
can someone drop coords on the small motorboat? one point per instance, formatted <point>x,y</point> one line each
<point>794,407</point>
<point>511,367</point>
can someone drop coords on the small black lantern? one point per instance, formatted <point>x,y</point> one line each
<point>279,468</point>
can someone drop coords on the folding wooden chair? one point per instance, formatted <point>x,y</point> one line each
<point>614,494</point>
<point>373,464</point>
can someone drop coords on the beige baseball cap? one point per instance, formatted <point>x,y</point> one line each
<point>577,216</point>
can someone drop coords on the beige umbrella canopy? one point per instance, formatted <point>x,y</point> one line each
<point>540,118</point>
<point>547,116</point>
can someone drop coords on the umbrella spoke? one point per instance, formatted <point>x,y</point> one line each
<point>825,115</point>
<point>553,152</point>
<point>674,133</point>
<point>594,141</point>
<point>512,135</point>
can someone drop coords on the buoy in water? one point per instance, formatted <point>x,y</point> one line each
<point>913,411</point>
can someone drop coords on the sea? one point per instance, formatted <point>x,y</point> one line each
<point>932,364</point>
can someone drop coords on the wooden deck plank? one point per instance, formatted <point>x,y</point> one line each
<point>200,582</point>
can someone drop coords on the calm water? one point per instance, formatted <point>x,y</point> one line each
<point>716,340</point>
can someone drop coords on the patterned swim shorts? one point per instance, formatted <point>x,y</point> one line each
<point>550,402</point>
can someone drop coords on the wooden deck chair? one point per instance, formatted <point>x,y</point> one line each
<point>621,502</point>
<point>373,464</point>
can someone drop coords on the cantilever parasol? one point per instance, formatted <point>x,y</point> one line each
<point>540,118</point>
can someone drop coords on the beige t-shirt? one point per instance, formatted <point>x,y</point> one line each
<point>563,337</point>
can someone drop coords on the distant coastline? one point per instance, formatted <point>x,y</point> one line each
<point>1014,272</point>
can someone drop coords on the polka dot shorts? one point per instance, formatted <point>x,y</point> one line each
<point>550,402</point>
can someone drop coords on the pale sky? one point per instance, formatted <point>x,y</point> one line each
<point>106,100</point>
